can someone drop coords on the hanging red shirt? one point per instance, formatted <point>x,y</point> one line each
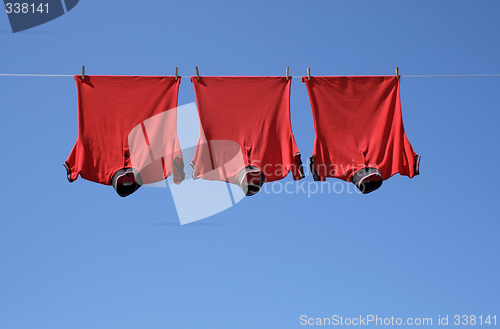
<point>245,131</point>
<point>359,130</point>
<point>127,134</point>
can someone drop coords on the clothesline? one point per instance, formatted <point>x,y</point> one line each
<point>450,75</point>
<point>297,77</point>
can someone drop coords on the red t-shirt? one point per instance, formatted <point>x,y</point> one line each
<point>126,122</point>
<point>244,121</point>
<point>358,124</point>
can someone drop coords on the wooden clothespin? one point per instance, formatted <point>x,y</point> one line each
<point>176,73</point>
<point>397,72</point>
<point>197,73</point>
<point>308,73</point>
<point>83,72</point>
<point>287,73</point>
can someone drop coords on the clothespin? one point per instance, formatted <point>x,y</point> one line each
<point>308,73</point>
<point>287,73</point>
<point>397,72</point>
<point>83,72</point>
<point>197,73</point>
<point>176,73</point>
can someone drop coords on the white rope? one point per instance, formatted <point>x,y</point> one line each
<point>446,76</point>
<point>35,75</point>
<point>295,77</point>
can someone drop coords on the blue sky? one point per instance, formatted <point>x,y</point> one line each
<point>79,256</point>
